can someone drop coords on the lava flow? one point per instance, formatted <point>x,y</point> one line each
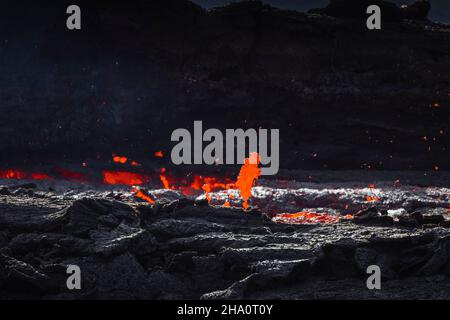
<point>191,185</point>
<point>141,195</point>
<point>124,177</point>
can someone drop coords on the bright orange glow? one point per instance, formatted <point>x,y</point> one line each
<point>135,164</point>
<point>120,159</point>
<point>141,195</point>
<point>207,188</point>
<point>227,204</point>
<point>159,154</point>
<point>372,199</point>
<point>247,176</point>
<point>123,177</point>
<point>12,174</point>
<point>165,182</point>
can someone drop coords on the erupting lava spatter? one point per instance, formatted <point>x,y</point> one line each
<point>165,182</point>
<point>249,173</point>
<point>120,159</point>
<point>191,185</point>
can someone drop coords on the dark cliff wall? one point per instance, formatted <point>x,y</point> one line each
<point>342,97</point>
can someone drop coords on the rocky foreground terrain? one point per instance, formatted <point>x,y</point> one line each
<point>183,248</point>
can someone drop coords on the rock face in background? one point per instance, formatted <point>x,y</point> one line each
<point>390,12</point>
<point>342,97</point>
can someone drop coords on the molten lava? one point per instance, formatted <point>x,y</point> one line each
<point>123,177</point>
<point>165,182</point>
<point>372,199</point>
<point>247,176</point>
<point>141,195</point>
<point>12,174</point>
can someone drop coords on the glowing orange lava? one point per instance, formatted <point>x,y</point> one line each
<point>247,176</point>
<point>12,174</point>
<point>123,177</point>
<point>372,199</point>
<point>165,182</point>
<point>135,164</point>
<point>120,159</point>
<point>141,195</point>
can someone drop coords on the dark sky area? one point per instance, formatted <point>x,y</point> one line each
<point>440,8</point>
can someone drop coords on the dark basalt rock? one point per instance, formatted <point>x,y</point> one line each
<point>4,191</point>
<point>408,221</point>
<point>372,216</point>
<point>188,251</point>
<point>87,214</point>
<point>433,219</point>
<point>391,12</point>
<point>30,185</point>
<point>417,11</point>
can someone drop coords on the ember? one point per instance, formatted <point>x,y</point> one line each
<point>120,159</point>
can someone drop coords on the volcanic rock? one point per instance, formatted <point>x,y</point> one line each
<point>417,11</point>
<point>4,191</point>
<point>357,9</point>
<point>407,221</point>
<point>188,251</point>
<point>372,216</point>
